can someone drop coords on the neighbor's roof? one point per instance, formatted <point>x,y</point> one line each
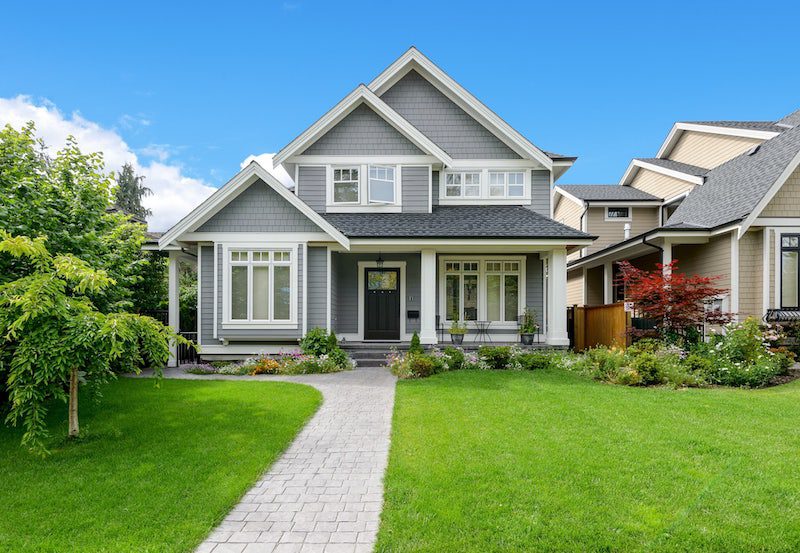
<point>693,170</point>
<point>152,237</point>
<point>733,190</point>
<point>607,192</point>
<point>559,157</point>
<point>480,221</point>
<point>770,126</point>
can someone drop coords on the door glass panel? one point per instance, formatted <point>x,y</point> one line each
<point>493,290</point>
<point>382,280</point>
<point>260,293</point>
<point>239,293</point>
<point>789,279</point>
<point>282,292</point>
<point>511,297</point>
<point>452,294</point>
<point>470,297</point>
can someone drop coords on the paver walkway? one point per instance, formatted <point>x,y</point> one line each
<point>326,492</point>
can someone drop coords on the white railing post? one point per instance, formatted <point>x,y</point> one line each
<point>557,299</point>
<point>174,308</point>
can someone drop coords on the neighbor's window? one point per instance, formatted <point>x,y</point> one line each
<point>381,184</point>
<point>261,285</point>
<point>463,185</point>
<point>618,213</point>
<point>345,185</point>
<point>790,251</point>
<point>502,290</point>
<point>506,184</point>
<point>461,290</point>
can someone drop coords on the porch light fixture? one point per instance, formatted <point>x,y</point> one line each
<point>379,261</point>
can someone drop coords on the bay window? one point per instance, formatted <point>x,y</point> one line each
<point>488,289</point>
<point>381,184</point>
<point>790,271</point>
<point>346,185</point>
<point>260,286</point>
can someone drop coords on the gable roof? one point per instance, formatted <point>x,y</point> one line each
<point>414,59</point>
<point>231,190</point>
<point>769,126</point>
<point>361,95</point>
<point>739,188</point>
<point>607,192</point>
<point>674,169</point>
<point>678,166</point>
<point>480,221</point>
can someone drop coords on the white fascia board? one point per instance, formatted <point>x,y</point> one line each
<point>694,179</point>
<point>669,142</point>
<point>566,194</point>
<point>779,182</point>
<point>630,172</point>
<point>233,188</point>
<point>317,160</point>
<point>475,107</point>
<point>360,95</point>
<point>413,244</point>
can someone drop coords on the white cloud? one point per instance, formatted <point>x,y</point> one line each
<point>174,194</point>
<point>265,160</point>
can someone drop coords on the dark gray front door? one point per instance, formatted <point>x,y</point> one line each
<point>382,306</point>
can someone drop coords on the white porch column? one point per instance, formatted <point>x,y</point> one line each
<point>427,311</point>
<point>666,254</point>
<point>557,299</point>
<point>608,283</point>
<point>173,294</point>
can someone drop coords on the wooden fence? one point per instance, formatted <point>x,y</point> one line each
<point>600,325</point>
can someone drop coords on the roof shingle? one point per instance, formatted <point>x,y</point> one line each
<point>607,192</point>
<point>693,170</point>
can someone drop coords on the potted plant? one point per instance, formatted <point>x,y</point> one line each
<point>457,330</point>
<point>528,327</point>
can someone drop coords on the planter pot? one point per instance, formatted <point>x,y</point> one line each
<point>457,339</point>
<point>526,339</point>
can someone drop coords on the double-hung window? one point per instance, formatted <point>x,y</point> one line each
<point>261,286</point>
<point>506,184</point>
<point>461,290</point>
<point>381,184</point>
<point>463,185</point>
<point>502,290</point>
<point>346,185</point>
<point>790,271</point>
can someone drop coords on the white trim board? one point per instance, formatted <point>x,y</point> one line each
<point>361,95</point>
<point>231,190</point>
<point>678,129</point>
<point>637,164</point>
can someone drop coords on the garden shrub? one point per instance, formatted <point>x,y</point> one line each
<point>496,357</point>
<point>316,342</point>
<point>454,358</point>
<point>648,365</point>
<point>535,360</point>
<point>265,365</point>
<point>627,376</point>
<point>415,346</point>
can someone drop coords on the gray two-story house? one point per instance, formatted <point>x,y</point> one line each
<point>414,204</point>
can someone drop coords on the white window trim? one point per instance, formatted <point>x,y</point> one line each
<point>484,198</point>
<point>482,297</point>
<point>627,219</point>
<point>231,324</point>
<point>395,170</point>
<point>364,203</point>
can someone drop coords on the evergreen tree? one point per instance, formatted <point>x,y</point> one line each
<point>130,191</point>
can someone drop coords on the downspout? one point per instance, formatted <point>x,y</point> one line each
<point>585,209</point>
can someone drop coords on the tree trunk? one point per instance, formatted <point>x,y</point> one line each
<point>73,404</point>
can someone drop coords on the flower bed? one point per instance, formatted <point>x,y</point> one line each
<point>319,353</point>
<point>416,364</point>
<point>743,355</point>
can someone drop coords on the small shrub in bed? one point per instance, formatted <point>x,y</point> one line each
<point>316,342</point>
<point>535,360</point>
<point>648,365</point>
<point>416,346</point>
<point>496,357</point>
<point>455,358</point>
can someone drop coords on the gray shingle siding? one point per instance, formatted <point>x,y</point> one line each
<point>259,209</point>
<point>207,294</point>
<point>317,287</point>
<point>540,192</point>
<point>362,132</point>
<point>534,292</point>
<point>345,267</point>
<point>415,187</point>
<point>446,124</point>
<point>311,186</point>
<point>260,335</point>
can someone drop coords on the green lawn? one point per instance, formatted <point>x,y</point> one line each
<point>504,461</point>
<point>158,468</point>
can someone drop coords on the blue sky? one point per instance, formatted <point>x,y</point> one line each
<point>202,87</point>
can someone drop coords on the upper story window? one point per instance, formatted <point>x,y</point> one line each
<point>260,286</point>
<point>618,214</point>
<point>506,184</point>
<point>381,184</point>
<point>463,185</point>
<point>346,185</point>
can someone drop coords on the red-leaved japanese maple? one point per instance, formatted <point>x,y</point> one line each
<point>676,301</point>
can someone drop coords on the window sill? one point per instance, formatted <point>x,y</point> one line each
<point>451,200</point>
<point>361,208</point>
<point>244,325</point>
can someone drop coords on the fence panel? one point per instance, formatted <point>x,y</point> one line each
<point>601,325</point>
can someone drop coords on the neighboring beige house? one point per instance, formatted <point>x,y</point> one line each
<point>720,197</point>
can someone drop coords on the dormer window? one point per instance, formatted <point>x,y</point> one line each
<point>381,184</point>
<point>346,185</point>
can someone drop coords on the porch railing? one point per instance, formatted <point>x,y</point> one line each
<point>187,354</point>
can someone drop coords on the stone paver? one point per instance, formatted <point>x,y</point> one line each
<point>325,493</point>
